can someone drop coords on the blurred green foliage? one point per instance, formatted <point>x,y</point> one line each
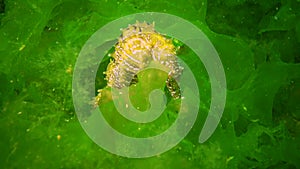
<point>258,43</point>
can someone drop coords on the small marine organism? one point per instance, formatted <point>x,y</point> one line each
<point>138,45</point>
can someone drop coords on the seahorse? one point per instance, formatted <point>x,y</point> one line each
<point>138,45</point>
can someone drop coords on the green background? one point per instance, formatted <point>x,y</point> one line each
<point>258,43</point>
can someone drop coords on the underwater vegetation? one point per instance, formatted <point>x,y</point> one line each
<point>259,46</point>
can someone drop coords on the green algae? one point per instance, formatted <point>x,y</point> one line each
<point>258,43</point>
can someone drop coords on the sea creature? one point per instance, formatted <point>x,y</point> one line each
<point>138,45</point>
